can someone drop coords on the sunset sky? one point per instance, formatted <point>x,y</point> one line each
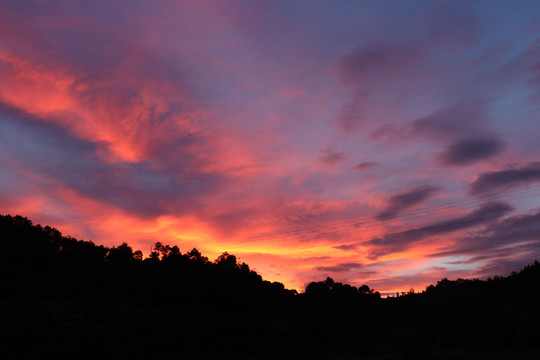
<point>387,143</point>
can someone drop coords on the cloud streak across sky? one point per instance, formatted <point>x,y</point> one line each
<point>298,135</point>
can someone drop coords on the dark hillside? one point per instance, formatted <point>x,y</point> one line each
<point>62,296</point>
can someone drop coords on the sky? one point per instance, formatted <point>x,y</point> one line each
<point>387,143</point>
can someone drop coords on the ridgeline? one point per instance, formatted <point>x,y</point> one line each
<point>61,296</point>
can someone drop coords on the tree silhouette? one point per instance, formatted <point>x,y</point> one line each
<point>226,260</point>
<point>60,295</point>
<point>196,256</point>
<point>121,254</point>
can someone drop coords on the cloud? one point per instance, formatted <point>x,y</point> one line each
<point>400,202</point>
<point>99,81</point>
<point>453,22</point>
<point>506,232</point>
<point>398,241</point>
<point>531,57</point>
<point>505,265</point>
<point>363,166</point>
<point>317,258</point>
<point>505,179</point>
<point>470,150</point>
<point>463,129</point>
<point>344,267</point>
<point>368,68</point>
<point>416,280</point>
<point>50,151</point>
<point>331,157</point>
<point>377,60</point>
<point>350,115</point>
<point>416,63</point>
<point>347,247</point>
<point>453,122</point>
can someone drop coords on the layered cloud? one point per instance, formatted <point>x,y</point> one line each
<point>331,157</point>
<point>404,239</point>
<point>400,202</point>
<point>520,231</point>
<point>470,150</point>
<point>463,129</point>
<point>339,267</point>
<point>504,179</point>
<point>366,165</point>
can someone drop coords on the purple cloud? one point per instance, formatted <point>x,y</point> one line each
<point>367,68</point>
<point>331,157</point>
<point>344,267</point>
<point>402,240</point>
<point>505,179</point>
<point>363,166</point>
<point>515,229</point>
<point>452,122</point>
<point>53,152</point>
<point>463,129</point>
<point>400,202</point>
<point>470,150</point>
<point>346,247</point>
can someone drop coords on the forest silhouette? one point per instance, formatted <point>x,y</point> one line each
<point>66,297</point>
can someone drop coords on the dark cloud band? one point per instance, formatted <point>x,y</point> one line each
<point>400,202</point>
<point>339,267</point>
<point>506,178</point>
<point>470,150</point>
<point>399,241</point>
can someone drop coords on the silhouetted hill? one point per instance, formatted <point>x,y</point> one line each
<point>63,296</point>
<point>40,261</point>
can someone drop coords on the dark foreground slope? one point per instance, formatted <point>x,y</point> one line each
<point>64,297</point>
